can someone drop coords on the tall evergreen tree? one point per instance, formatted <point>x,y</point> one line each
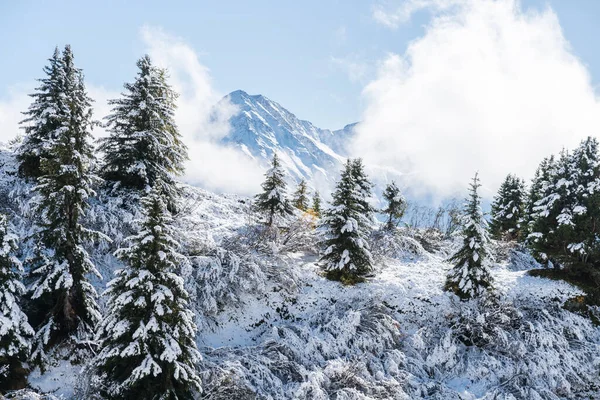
<point>533,195</point>
<point>347,223</point>
<point>15,331</point>
<point>364,187</point>
<point>552,229</point>
<point>566,215</point>
<point>144,143</point>
<point>585,241</point>
<point>272,201</point>
<point>396,205</point>
<point>300,199</point>
<point>147,337</point>
<point>316,204</point>
<point>44,118</point>
<point>470,276</point>
<point>536,193</point>
<point>63,300</point>
<point>508,209</point>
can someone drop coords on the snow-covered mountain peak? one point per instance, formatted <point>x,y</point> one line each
<point>262,126</point>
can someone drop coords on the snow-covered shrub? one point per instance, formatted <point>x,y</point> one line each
<point>260,237</point>
<point>482,322</point>
<point>27,394</point>
<point>299,234</point>
<point>222,385</point>
<point>519,259</point>
<point>528,350</point>
<point>431,240</point>
<point>294,233</point>
<point>397,244</point>
<point>349,380</point>
<point>222,278</point>
<point>347,353</point>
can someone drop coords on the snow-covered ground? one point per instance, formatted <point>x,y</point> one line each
<point>273,328</point>
<point>416,353</point>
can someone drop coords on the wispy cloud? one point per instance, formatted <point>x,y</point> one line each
<point>11,107</point>
<point>395,13</point>
<point>488,87</point>
<point>201,123</point>
<point>17,101</point>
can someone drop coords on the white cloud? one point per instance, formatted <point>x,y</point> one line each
<point>11,107</point>
<point>101,96</point>
<point>393,16</point>
<point>211,165</point>
<point>18,100</point>
<point>488,87</point>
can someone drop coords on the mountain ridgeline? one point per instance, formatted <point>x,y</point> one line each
<point>263,127</point>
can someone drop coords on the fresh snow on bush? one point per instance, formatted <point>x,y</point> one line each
<point>272,327</point>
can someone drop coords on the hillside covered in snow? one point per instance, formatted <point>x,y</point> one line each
<point>117,281</point>
<point>272,327</point>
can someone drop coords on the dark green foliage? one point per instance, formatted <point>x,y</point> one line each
<point>272,201</point>
<point>44,118</point>
<point>144,144</point>
<point>300,199</point>
<point>585,243</point>
<point>542,174</point>
<point>316,204</point>
<point>63,302</point>
<point>147,337</point>
<point>470,276</point>
<point>363,187</point>
<point>507,209</point>
<point>564,218</point>
<point>396,205</point>
<point>347,223</point>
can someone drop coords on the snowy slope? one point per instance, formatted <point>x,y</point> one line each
<point>271,327</point>
<point>262,127</point>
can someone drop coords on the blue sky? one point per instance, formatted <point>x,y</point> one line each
<point>443,87</point>
<point>293,52</point>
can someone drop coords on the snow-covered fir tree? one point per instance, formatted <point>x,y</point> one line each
<point>273,201</point>
<point>363,186</point>
<point>552,229</point>
<point>565,215</point>
<point>470,276</point>
<point>300,198</point>
<point>15,331</point>
<point>528,204</point>
<point>507,209</point>
<point>44,118</point>
<point>536,193</point>
<point>147,337</point>
<point>144,143</point>
<point>316,204</point>
<point>585,240</point>
<point>347,224</point>
<point>63,301</point>
<point>396,205</point>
